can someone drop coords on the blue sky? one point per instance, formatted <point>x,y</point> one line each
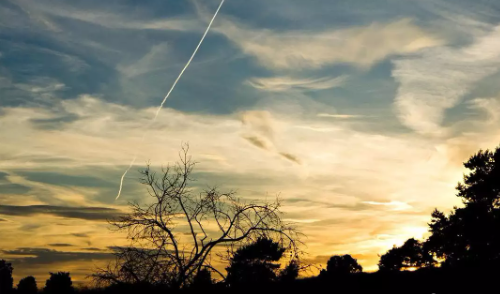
<point>358,113</point>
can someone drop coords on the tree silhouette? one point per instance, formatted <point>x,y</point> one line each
<point>160,252</point>
<point>470,236</point>
<point>257,263</point>
<point>59,283</point>
<point>411,255</point>
<point>291,271</point>
<point>342,265</point>
<point>27,286</point>
<point>6,281</point>
<point>203,279</point>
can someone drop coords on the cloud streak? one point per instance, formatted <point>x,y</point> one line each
<point>43,256</point>
<point>86,213</point>
<point>360,46</point>
<point>438,78</point>
<point>334,159</point>
<point>286,83</point>
<point>107,18</point>
<point>276,105</point>
<point>341,116</point>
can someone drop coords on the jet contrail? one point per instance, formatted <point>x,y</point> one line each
<point>124,174</point>
<point>170,91</point>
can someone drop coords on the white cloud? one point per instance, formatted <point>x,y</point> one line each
<point>110,18</point>
<point>333,161</point>
<point>155,59</point>
<point>361,46</point>
<point>338,169</point>
<point>488,106</point>
<point>396,205</point>
<point>286,83</point>
<point>341,116</point>
<point>438,78</point>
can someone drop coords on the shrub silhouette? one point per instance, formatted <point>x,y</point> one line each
<point>27,286</point>
<point>257,263</point>
<point>203,279</point>
<point>59,283</point>
<point>6,280</point>
<point>290,272</point>
<point>411,255</point>
<point>343,265</point>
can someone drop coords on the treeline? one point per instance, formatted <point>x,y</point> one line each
<point>58,283</point>
<point>262,253</point>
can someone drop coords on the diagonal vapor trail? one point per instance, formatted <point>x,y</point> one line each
<point>170,91</point>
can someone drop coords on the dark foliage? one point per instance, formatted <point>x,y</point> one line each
<point>59,283</point>
<point>257,263</point>
<point>202,280</point>
<point>27,286</point>
<point>341,265</point>
<point>6,281</point>
<point>411,255</point>
<point>291,271</point>
<point>470,236</point>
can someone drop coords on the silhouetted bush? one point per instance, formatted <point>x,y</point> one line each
<point>6,281</point>
<point>411,255</point>
<point>257,263</point>
<point>341,265</point>
<point>203,279</point>
<point>27,286</point>
<point>290,272</point>
<point>59,283</point>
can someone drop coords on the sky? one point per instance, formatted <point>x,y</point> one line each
<point>358,114</point>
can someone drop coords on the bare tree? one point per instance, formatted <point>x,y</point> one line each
<point>173,237</point>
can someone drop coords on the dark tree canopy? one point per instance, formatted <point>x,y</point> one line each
<point>59,283</point>
<point>291,271</point>
<point>482,184</point>
<point>470,235</point>
<point>202,279</point>
<point>6,280</point>
<point>343,265</point>
<point>258,263</point>
<point>27,286</point>
<point>411,255</point>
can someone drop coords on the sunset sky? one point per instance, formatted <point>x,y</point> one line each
<point>357,113</point>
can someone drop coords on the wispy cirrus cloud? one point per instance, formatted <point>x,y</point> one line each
<point>260,132</point>
<point>287,83</point>
<point>86,213</point>
<point>437,79</point>
<point>154,60</point>
<point>266,110</point>
<point>40,256</point>
<point>360,46</point>
<point>323,159</point>
<point>111,18</point>
<point>340,116</point>
<point>488,106</point>
<point>396,205</point>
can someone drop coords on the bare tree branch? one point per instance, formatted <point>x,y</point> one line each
<point>159,251</point>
